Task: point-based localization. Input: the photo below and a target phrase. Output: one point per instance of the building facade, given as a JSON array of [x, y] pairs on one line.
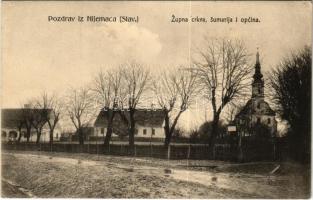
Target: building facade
[[13, 124], [149, 124]]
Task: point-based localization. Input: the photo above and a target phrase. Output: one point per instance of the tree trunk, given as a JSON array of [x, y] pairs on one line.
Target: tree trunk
[[167, 131], [28, 132], [168, 136], [214, 133], [51, 137], [38, 136], [132, 131], [20, 135], [108, 136], [109, 130], [81, 136]]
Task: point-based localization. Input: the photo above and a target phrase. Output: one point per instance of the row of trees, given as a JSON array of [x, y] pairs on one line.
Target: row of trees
[[219, 73], [290, 83]]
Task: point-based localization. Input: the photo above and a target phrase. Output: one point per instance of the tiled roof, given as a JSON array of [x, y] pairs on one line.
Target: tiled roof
[[12, 117], [143, 117]]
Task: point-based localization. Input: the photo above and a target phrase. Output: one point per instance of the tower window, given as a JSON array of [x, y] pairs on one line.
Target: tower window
[[258, 120], [269, 120], [259, 105], [153, 131], [145, 131], [259, 90]]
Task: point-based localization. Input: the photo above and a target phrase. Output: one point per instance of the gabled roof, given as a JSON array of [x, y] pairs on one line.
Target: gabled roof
[[250, 109], [10, 118], [13, 117], [143, 117]]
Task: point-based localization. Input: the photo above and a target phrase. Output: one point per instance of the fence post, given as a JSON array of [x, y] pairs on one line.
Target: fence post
[[121, 150], [188, 155]]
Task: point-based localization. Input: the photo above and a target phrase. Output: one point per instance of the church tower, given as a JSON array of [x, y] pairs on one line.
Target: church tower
[[256, 111], [258, 82]]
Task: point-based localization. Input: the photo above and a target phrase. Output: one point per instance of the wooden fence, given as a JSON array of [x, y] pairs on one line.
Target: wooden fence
[[184, 151]]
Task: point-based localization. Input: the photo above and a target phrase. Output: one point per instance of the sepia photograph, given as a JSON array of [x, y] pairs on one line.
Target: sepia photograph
[[156, 99]]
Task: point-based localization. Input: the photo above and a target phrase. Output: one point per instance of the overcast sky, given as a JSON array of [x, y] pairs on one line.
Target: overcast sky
[[39, 55]]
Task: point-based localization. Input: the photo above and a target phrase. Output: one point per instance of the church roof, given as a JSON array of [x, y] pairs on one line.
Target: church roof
[[250, 109]]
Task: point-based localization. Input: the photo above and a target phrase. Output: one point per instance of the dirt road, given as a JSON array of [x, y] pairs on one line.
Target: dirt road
[[63, 175]]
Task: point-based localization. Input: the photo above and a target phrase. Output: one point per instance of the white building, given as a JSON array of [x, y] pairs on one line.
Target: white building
[[149, 124], [13, 124]]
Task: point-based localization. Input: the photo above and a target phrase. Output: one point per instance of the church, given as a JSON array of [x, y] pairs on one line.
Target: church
[[256, 115]]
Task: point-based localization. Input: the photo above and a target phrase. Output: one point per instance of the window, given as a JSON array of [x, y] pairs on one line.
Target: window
[[136, 131], [259, 105], [144, 131], [269, 120], [102, 130], [57, 136], [258, 120], [153, 131]]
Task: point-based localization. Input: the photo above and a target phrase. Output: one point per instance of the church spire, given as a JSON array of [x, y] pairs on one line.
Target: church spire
[[258, 83], [257, 56], [257, 75]]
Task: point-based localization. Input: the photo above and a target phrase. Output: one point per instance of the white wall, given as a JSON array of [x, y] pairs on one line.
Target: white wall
[[33, 137], [159, 132]]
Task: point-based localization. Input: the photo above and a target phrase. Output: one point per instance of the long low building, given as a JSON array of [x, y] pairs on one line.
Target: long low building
[[149, 123], [13, 123]]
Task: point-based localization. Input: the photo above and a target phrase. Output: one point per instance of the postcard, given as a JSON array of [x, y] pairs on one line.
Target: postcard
[[156, 99]]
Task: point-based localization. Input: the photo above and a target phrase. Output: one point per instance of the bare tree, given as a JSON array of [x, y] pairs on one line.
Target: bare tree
[[135, 79], [174, 91], [20, 125], [39, 120], [27, 118], [79, 108], [223, 71], [51, 108], [107, 87]]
